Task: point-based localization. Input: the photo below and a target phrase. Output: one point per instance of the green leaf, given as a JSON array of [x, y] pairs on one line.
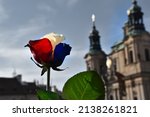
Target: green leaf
[[84, 86], [47, 95]]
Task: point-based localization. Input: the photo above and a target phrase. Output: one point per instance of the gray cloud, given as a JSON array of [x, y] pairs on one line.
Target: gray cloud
[[68, 3], [3, 12], [47, 8]]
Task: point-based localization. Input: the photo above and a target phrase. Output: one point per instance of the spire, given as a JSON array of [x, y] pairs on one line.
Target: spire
[[93, 20], [94, 37], [135, 23]]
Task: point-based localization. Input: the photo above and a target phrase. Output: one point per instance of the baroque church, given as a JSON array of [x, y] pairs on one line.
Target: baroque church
[[128, 77]]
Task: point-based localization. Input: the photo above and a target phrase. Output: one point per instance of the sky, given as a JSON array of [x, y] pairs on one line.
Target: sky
[[24, 20]]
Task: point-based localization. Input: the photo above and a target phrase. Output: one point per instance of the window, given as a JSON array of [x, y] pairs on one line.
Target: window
[[115, 64], [130, 56], [111, 97], [88, 66], [116, 94], [147, 55], [101, 68]]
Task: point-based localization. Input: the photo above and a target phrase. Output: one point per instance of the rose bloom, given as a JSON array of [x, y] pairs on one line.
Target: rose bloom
[[49, 51]]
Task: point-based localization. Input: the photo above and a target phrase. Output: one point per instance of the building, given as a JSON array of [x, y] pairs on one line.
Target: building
[[96, 58], [14, 89], [129, 75], [131, 59]]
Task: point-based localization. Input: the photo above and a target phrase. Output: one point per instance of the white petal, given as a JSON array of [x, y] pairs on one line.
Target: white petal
[[54, 38]]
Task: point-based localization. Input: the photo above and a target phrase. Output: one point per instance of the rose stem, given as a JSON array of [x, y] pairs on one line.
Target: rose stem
[[48, 80]]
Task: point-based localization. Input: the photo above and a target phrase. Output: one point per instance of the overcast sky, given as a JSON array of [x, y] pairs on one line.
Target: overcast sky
[[23, 20]]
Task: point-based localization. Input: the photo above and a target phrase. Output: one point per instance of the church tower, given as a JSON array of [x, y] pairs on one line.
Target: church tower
[[96, 58], [135, 23], [131, 58]]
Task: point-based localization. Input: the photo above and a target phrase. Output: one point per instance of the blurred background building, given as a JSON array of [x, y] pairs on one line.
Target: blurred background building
[[128, 74], [13, 88]]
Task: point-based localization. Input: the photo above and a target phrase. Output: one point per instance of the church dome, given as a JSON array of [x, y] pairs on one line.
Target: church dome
[[134, 8]]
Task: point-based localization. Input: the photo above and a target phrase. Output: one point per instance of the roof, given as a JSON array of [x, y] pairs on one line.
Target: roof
[[95, 52], [118, 46]]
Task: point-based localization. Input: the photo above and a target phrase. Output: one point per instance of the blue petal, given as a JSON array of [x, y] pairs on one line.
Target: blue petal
[[60, 52]]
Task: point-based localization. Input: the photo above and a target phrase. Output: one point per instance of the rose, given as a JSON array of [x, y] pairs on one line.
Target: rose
[[49, 51]]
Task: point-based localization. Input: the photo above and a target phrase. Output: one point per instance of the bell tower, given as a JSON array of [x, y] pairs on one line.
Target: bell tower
[[94, 37], [135, 24], [96, 58]]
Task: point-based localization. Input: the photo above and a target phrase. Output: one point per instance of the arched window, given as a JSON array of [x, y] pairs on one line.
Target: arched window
[[130, 56], [147, 55]]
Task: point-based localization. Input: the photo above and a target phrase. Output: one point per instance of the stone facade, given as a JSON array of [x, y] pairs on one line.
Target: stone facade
[[129, 75], [131, 58]]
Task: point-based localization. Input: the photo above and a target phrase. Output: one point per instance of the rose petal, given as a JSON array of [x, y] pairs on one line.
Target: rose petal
[[54, 38], [49, 51], [60, 52], [41, 50]]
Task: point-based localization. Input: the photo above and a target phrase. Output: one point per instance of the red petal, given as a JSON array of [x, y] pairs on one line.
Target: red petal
[[41, 50]]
